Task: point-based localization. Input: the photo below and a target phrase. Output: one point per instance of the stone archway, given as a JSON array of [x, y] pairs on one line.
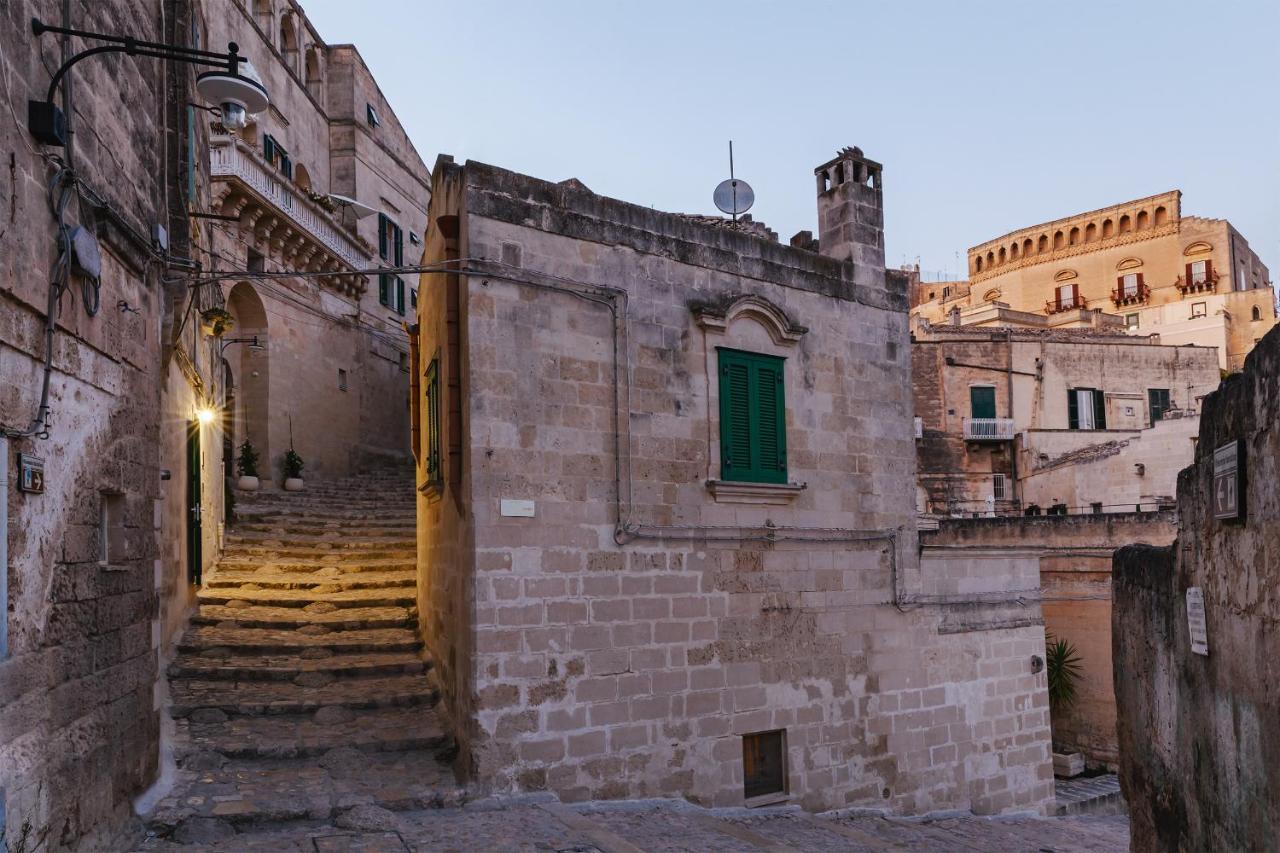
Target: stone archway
[[251, 372]]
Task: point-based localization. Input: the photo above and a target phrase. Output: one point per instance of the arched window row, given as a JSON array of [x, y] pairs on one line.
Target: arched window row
[[1092, 232], [285, 31]]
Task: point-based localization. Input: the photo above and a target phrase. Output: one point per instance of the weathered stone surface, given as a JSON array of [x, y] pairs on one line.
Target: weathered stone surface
[[203, 830], [208, 715], [369, 818], [1197, 733], [333, 714]]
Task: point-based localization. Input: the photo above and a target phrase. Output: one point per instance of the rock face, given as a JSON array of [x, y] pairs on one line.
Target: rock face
[[1198, 740], [320, 696]]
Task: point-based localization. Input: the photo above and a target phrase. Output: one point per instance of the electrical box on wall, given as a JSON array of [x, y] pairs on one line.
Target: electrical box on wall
[[30, 474]]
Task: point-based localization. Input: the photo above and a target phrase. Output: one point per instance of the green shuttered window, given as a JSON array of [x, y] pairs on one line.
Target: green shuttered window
[[431, 387], [753, 417]]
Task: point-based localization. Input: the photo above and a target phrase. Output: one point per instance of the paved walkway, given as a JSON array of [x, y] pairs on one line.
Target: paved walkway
[[665, 827]]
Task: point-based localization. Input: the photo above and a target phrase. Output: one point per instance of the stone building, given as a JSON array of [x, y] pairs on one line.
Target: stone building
[[99, 570], [1014, 420], [82, 574], [667, 529], [1142, 264], [1198, 739], [325, 183]]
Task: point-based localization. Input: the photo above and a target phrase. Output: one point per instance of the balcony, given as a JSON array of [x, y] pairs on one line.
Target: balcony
[[1130, 295], [1206, 283], [1058, 305], [988, 429], [299, 232]]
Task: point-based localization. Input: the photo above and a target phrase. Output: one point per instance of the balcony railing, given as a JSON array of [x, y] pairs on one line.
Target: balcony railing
[[229, 158], [1058, 304], [1198, 284], [988, 429], [1130, 295]]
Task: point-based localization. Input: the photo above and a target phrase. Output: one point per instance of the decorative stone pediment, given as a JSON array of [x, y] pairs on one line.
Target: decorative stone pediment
[[1064, 275], [781, 328], [1198, 248], [1129, 264], [991, 295]]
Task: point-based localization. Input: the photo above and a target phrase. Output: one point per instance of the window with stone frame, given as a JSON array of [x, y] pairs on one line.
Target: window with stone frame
[[753, 417], [1086, 409], [1199, 309], [1131, 321]]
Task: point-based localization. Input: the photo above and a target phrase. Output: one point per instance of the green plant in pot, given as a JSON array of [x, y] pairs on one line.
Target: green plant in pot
[[247, 467], [216, 321], [292, 471], [1064, 671]]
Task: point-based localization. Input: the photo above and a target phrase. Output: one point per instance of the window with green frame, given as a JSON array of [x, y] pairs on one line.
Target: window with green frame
[[753, 417], [433, 408]]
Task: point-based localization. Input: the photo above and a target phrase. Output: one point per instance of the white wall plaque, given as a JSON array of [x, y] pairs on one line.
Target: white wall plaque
[[517, 509], [1196, 622]]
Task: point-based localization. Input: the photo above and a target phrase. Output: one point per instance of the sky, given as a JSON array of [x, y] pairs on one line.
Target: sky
[[987, 115]]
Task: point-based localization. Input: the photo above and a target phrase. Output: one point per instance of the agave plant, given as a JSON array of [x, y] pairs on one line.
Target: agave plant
[[1064, 670]]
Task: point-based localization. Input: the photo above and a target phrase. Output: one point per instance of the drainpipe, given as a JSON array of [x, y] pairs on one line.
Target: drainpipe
[[1013, 452], [4, 547]]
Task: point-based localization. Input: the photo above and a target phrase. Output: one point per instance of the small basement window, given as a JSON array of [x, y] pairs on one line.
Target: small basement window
[[764, 764]]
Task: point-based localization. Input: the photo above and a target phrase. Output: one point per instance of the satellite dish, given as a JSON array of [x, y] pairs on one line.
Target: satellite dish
[[360, 210], [734, 196]]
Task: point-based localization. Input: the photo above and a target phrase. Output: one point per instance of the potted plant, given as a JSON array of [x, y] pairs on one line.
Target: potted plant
[[247, 467], [216, 322], [292, 471], [1062, 665]]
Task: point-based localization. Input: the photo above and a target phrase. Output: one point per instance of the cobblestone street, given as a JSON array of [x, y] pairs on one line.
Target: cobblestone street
[[666, 827]]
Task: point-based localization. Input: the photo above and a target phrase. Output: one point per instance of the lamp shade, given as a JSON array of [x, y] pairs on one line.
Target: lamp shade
[[243, 89]]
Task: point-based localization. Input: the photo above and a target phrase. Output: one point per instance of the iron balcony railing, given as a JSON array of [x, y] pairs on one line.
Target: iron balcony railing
[[1065, 303], [988, 429], [1130, 295]]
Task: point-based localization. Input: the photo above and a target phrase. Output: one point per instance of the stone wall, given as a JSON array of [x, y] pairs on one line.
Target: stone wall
[[650, 613], [1197, 736], [1073, 558], [78, 721]]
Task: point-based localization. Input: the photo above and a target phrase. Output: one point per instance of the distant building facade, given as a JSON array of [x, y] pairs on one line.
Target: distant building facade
[[1018, 420], [1188, 279], [325, 183], [667, 527]]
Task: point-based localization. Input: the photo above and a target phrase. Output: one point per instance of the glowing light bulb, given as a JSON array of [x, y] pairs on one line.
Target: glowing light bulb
[[206, 415]]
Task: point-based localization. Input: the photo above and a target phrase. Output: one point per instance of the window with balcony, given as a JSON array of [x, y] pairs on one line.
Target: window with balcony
[[982, 401], [273, 152], [1198, 271], [753, 417], [1065, 297], [1086, 409], [1158, 403]]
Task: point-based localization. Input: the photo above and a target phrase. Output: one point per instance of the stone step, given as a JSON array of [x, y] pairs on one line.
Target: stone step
[[320, 581], [331, 539], [276, 522], [306, 552], [249, 793], [212, 641], [346, 618], [339, 517], [294, 736], [318, 602], [286, 667], [373, 564], [235, 698]]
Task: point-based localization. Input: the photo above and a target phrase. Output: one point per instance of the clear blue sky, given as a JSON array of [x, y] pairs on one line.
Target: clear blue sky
[[988, 116]]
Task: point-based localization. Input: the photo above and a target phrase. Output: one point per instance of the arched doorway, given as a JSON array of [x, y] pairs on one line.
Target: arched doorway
[[249, 373]]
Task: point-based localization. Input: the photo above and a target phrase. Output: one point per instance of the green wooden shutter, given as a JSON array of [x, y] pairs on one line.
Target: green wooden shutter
[[399, 245], [399, 295], [382, 236], [982, 401], [269, 148], [1099, 410], [753, 435], [1073, 410]]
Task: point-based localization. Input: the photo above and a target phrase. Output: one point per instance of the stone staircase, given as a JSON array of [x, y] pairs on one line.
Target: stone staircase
[[301, 691]]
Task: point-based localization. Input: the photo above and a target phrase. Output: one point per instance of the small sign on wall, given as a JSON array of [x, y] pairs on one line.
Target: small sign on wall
[[30, 474], [1228, 482], [516, 508], [1196, 624]]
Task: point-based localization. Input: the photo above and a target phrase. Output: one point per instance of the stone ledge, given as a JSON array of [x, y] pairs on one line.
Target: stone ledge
[[754, 493]]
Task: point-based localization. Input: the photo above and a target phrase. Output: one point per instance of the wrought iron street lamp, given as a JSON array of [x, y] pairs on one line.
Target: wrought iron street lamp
[[234, 85]]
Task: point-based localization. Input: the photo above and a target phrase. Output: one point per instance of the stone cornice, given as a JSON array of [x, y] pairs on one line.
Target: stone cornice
[[1059, 255]]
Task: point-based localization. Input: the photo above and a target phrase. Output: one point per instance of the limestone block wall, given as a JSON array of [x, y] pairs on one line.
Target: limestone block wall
[[1197, 744], [1072, 555], [644, 618]]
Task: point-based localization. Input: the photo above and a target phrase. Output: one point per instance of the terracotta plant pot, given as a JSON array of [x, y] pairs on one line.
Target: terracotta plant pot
[[293, 484], [247, 483]]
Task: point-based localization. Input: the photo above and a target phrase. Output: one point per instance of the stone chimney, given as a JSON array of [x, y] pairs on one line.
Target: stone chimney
[[851, 214]]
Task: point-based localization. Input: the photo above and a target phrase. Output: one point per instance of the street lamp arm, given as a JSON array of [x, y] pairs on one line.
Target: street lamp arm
[[134, 47]]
